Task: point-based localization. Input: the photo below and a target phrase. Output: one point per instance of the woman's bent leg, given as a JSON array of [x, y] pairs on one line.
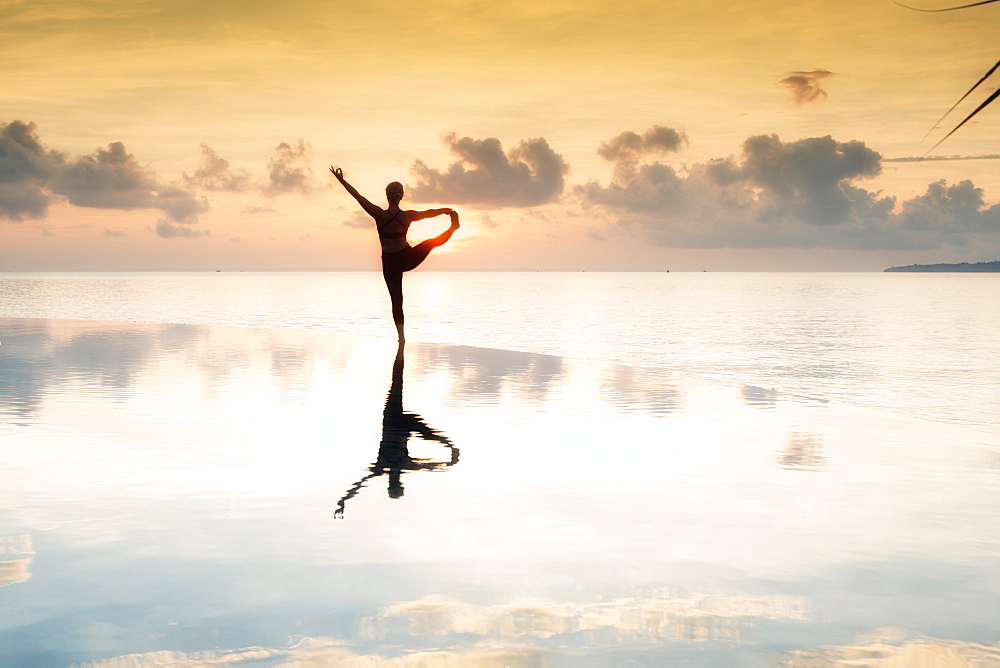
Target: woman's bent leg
[[443, 238], [416, 255], [419, 253]]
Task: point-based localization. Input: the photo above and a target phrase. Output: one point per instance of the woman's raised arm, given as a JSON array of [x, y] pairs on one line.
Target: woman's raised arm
[[369, 208]]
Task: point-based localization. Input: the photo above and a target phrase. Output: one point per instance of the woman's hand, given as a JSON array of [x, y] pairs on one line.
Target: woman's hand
[[338, 172]]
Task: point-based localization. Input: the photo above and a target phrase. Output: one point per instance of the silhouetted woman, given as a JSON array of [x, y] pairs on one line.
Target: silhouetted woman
[[392, 224]]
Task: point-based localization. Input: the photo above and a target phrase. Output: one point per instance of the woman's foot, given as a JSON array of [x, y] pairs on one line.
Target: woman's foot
[[443, 238]]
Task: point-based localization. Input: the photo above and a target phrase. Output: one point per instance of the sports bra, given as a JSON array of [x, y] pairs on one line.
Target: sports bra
[[392, 241]]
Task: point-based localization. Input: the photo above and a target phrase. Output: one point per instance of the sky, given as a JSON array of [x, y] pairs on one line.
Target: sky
[[768, 135]]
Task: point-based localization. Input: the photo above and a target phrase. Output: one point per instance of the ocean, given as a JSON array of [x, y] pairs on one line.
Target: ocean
[[676, 469], [924, 345]]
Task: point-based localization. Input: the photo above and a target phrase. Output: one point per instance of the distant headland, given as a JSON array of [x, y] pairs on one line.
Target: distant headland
[[962, 266]]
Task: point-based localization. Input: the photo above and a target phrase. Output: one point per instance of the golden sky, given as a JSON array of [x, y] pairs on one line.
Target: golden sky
[[195, 134]]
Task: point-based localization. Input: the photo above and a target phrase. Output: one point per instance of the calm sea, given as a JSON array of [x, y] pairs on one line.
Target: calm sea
[[925, 345]]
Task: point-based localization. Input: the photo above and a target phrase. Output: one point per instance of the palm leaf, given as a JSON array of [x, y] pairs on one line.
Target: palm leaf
[[945, 114], [947, 9], [992, 97], [985, 103]]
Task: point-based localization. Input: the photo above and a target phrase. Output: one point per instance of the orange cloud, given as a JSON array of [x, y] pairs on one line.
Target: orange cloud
[[804, 86]]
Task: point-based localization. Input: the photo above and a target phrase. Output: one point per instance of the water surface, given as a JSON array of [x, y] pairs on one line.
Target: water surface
[[920, 344], [193, 494]]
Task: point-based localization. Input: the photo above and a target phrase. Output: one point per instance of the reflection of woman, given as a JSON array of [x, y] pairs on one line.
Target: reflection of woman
[[392, 224], [393, 454]]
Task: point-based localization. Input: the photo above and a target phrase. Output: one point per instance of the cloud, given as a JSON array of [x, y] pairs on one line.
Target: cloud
[[804, 86], [960, 208], [216, 174], [487, 220], [26, 168], [529, 174], [114, 179], [168, 230], [257, 208], [359, 220], [288, 171], [114, 234], [804, 179], [629, 147], [33, 178], [942, 158], [777, 194]]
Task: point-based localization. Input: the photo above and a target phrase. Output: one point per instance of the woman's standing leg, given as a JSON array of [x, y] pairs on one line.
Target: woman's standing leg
[[394, 283]]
